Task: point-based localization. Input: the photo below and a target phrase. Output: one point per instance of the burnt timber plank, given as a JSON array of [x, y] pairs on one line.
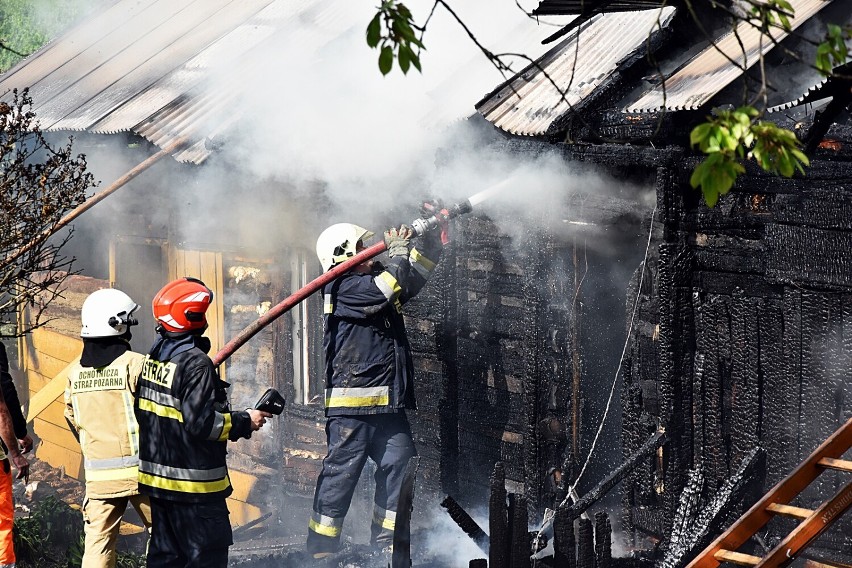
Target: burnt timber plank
[[778, 436], [745, 379]]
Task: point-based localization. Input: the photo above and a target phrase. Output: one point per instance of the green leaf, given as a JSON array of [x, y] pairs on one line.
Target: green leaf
[[386, 60], [415, 60], [404, 58], [374, 30], [403, 11], [711, 196], [799, 155], [699, 133]]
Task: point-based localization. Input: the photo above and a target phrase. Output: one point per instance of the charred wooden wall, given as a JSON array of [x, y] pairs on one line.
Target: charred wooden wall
[[743, 338]]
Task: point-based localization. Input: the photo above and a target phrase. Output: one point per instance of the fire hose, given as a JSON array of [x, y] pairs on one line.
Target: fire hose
[[420, 226]]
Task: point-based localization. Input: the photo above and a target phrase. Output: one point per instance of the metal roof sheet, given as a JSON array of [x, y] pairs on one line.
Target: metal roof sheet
[[138, 57], [571, 7], [562, 78], [711, 70], [176, 69]]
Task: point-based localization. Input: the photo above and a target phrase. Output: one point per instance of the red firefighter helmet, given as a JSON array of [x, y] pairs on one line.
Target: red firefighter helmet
[[181, 305]]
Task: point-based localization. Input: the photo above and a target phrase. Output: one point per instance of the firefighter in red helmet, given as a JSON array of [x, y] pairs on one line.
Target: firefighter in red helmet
[[184, 425]]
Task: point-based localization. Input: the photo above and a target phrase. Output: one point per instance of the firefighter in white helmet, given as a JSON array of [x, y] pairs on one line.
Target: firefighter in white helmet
[[369, 378], [99, 408]]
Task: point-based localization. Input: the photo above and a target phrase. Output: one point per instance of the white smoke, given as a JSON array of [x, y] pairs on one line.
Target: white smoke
[[445, 544]]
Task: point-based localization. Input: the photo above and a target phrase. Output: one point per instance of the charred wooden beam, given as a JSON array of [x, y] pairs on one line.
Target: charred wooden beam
[[498, 520], [466, 523], [585, 544], [564, 543], [520, 539], [603, 540], [602, 488]]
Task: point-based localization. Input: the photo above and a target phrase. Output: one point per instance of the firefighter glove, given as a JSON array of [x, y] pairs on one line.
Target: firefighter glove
[[398, 240]]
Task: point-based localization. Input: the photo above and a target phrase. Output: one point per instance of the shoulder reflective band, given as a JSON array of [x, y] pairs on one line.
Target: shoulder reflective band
[[354, 397], [326, 526], [421, 264]]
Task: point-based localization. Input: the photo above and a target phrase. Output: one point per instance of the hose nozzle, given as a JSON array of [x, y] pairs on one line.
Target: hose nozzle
[[423, 226]]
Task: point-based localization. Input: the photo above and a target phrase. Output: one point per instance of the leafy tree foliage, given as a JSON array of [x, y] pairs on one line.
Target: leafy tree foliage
[[26, 25], [39, 183], [391, 31]]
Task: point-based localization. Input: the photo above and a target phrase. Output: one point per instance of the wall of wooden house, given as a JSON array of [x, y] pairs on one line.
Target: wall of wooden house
[[743, 338]]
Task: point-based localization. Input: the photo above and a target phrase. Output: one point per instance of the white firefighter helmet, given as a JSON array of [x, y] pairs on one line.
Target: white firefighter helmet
[[337, 243], [107, 313]]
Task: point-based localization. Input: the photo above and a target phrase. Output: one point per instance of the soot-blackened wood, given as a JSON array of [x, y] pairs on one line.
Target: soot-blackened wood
[[498, 520], [817, 256], [836, 362], [533, 347], [745, 379], [629, 437], [519, 553], [448, 408], [789, 459], [778, 436], [466, 523], [585, 544], [698, 524], [669, 328], [603, 540], [676, 337], [846, 393], [564, 543], [814, 322], [714, 317], [478, 563], [698, 400], [818, 415]]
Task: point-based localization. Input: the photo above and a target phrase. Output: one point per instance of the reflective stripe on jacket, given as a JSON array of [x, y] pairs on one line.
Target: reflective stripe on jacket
[[368, 364], [99, 406], [185, 423]]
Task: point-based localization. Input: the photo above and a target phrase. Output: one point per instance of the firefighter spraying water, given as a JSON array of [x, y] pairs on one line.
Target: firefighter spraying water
[[419, 226]]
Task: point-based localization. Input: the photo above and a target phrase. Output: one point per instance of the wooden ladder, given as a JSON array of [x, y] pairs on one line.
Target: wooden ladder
[[776, 502]]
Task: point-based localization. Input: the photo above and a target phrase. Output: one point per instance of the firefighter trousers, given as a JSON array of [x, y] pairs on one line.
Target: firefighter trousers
[[7, 516], [189, 535], [102, 518], [384, 438]]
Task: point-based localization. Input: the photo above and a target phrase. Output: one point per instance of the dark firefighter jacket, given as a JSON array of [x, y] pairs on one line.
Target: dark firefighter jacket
[[10, 395], [184, 423], [368, 365]]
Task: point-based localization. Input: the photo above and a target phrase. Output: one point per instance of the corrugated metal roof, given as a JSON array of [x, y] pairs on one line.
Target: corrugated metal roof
[[147, 66], [531, 101], [572, 7], [813, 94], [711, 70], [138, 57]]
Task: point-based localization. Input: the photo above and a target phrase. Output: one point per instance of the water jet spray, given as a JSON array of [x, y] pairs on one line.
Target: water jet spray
[[420, 226]]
